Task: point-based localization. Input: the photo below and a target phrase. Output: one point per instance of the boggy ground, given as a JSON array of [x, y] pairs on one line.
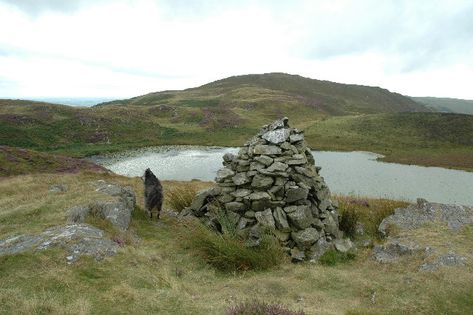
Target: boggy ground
[[154, 273]]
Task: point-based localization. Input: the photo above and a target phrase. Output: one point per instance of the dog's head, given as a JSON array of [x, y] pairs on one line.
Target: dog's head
[[146, 174], [149, 177]]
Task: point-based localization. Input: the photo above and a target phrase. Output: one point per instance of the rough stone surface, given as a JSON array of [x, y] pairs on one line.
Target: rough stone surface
[[447, 260], [267, 149], [276, 136], [265, 218], [58, 188], [424, 215], [117, 210], [76, 239], [394, 249], [273, 182], [415, 216]]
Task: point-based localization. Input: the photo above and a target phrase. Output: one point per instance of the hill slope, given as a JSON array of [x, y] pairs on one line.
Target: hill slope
[[449, 105], [437, 139], [260, 91]]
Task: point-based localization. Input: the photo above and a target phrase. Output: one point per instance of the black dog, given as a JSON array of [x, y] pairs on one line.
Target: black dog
[[153, 193]]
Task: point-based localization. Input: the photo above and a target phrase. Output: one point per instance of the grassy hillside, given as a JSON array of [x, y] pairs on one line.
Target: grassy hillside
[[155, 274], [421, 138], [16, 161], [272, 90], [448, 105]]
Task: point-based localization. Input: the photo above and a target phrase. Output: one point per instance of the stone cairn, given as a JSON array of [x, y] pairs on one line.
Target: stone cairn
[[273, 183]]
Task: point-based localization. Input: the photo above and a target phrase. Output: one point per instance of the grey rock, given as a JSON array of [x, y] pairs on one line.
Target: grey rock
[[319, 248], [258, 195], [305, 238], [276, 136], [295, 193], [244, 222], [239, 193], [114, 211], [260, 205], [331, 226], [277, 124], [264, 159], [301, 218], [394, 249], [265, 218], [58, 188], [76, 239], [224, 198], [306, 171], [277, 167], [235, 206], [296, 137], [241, 179], [256, 166], [447, 260], [250, 214], [343, 245], [261, 149], [199, 199], [223, 174], [297, 255], [262, 182], [280, 219], [229, 157], [415, 216]]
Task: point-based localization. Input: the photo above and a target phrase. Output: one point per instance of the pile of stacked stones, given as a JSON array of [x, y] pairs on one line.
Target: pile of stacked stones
[[273, 183]]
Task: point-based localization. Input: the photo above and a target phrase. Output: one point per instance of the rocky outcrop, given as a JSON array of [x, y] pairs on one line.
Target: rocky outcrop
[[273, 183], [117, 209], [417, 216], [76, 239]]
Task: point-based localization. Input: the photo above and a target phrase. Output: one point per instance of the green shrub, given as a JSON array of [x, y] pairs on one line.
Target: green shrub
[[261, 308], [348, 221], [333, 257], [230, 254], [180, 197]]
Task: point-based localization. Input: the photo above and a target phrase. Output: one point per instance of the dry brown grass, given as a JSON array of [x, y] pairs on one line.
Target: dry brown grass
[[158, 276]]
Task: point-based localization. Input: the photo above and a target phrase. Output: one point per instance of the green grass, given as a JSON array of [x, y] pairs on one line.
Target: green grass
[[156, 274], [230, 111], [449, 105], [227, 253]]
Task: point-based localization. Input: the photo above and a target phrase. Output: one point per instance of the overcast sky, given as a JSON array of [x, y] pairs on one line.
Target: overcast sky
[[124, 48]]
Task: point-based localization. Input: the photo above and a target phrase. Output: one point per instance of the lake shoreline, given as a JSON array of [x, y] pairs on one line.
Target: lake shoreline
[[356, 173]]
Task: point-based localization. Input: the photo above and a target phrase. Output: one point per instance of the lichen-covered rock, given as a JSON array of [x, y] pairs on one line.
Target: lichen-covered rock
[[117, 209], [265, 218], [273, 183], [77, 239]]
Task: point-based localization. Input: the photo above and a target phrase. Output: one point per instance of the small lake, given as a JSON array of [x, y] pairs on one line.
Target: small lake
[[347, 173]]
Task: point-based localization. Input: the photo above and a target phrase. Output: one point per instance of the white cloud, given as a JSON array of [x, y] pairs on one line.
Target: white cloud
[[125, 48]]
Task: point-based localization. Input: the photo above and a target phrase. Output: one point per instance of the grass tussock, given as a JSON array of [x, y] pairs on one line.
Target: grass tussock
[[261, 308], [159, 275], [230, 254], [333, 258], [366, 213], [180, 196]]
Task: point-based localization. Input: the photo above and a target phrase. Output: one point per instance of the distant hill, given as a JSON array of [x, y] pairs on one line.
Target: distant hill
[[424, 138], [263, 92], [447, 105]]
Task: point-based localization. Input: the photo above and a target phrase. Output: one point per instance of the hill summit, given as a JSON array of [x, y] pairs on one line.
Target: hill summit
[[259, 91]]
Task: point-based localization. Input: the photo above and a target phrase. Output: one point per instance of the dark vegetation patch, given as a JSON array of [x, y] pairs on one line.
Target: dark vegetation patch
[[333, 257], [15, 161], [228, 253]]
